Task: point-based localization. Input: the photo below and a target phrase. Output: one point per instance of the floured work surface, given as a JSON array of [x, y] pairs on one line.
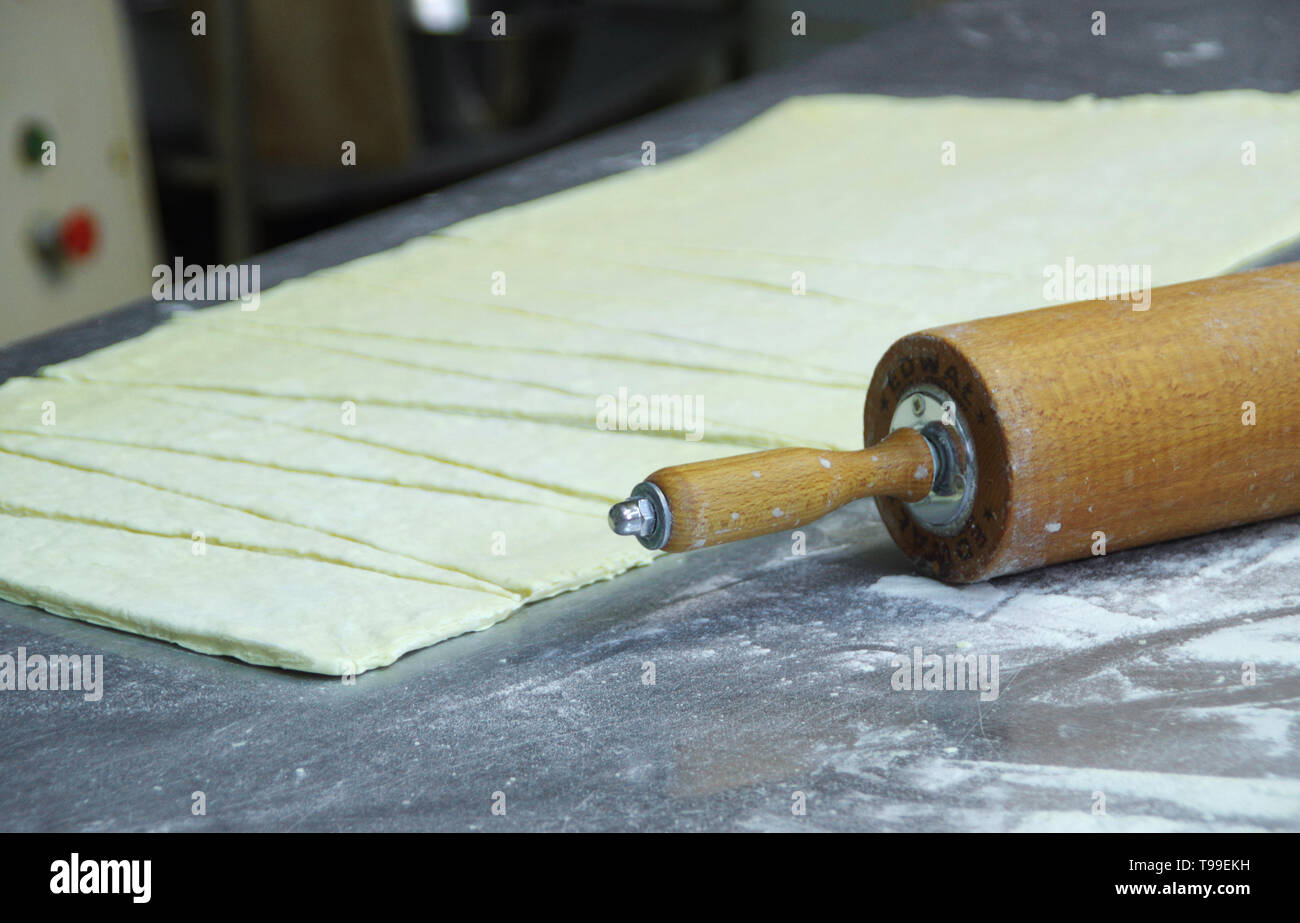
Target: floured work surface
[[408, 447]]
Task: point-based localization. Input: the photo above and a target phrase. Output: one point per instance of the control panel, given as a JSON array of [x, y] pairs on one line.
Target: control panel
[[77, 231]]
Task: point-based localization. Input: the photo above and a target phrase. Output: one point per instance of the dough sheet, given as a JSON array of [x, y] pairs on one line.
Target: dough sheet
[[398, 450]]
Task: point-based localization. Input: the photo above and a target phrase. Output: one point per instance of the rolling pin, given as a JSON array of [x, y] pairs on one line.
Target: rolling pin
[[1013, 442]]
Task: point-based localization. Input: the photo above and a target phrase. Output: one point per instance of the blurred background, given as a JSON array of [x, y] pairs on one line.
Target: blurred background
[[146, 130]]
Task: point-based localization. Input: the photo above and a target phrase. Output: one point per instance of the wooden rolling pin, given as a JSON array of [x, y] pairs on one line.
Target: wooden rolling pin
[[1009, 443]]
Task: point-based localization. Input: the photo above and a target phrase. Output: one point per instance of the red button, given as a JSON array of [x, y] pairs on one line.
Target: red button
[[78, 234]]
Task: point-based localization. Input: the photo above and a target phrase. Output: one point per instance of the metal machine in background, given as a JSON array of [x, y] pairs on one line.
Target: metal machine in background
[[77, 229], [246, 122], [223, 137]]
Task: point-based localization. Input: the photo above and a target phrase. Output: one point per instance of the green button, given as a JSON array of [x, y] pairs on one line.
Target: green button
[[34, 136]]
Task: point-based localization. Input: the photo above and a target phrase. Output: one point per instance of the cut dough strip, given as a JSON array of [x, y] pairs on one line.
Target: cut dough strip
[[34, 487], [489, 540], [284, 612], [162, 418]]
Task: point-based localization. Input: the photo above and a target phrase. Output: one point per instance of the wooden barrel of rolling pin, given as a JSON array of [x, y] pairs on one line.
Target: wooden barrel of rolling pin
[[1094, 422], [1044, 436]]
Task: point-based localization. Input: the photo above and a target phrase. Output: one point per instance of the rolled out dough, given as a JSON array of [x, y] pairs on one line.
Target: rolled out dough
[[404, 448]]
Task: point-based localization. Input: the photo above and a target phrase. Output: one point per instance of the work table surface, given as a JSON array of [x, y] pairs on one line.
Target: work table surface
[[1121, 705]]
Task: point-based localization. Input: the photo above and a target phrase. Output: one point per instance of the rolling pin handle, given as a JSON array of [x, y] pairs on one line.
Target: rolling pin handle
[[727, 499]]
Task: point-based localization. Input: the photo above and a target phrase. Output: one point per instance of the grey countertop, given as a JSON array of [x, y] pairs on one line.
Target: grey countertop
[[1121, 702]]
